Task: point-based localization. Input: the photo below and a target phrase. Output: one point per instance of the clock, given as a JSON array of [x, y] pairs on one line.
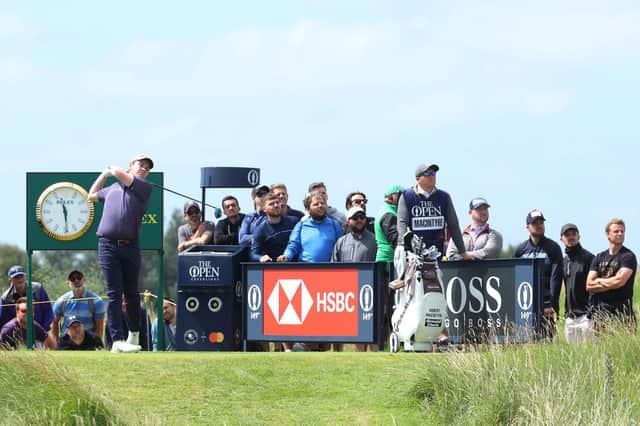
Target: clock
[[63, 211]]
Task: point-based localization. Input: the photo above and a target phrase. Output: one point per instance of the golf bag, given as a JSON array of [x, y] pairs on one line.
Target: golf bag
[[420, 309]]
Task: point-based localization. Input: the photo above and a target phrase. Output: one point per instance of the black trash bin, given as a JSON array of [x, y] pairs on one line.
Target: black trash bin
[[209, 298]]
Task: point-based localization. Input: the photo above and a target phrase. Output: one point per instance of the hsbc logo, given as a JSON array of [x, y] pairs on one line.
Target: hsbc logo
[[290, 302]]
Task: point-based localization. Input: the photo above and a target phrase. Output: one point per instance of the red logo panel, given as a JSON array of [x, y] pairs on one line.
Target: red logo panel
[[311, 302]]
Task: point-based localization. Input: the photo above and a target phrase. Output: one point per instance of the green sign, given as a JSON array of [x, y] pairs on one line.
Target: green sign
[[59, 218]]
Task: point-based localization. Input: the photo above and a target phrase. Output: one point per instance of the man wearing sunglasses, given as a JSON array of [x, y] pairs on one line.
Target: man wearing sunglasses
[[79, 303], [428, 211], [358, 199], [43, 314], [195, 232]]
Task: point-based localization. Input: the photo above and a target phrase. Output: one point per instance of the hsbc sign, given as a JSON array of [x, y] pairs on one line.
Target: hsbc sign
[[311, 302]]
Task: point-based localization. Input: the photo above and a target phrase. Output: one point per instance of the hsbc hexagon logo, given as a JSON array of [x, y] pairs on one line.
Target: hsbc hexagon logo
[[290, 302]]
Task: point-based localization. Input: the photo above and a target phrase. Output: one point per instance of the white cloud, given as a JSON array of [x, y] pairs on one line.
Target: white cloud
[[14, 69]]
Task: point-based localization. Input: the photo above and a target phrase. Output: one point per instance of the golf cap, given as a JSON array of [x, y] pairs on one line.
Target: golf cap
[[423, 168], [353, 210], [259, 191], [533, 215], [15, 271], [189, 204], [568, 227], [478, 202], [141, 157], [74, 273], [393, 190], [73, 319]]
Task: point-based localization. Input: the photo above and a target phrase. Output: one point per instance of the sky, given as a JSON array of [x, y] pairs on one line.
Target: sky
[[530, 104]]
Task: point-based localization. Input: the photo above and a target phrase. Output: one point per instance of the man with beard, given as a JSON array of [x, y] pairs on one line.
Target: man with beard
[[251, 221], [358, 199], [312, 240], [537, 246], [358, 245], [195, 232], [271, 236], [480, 240], [280, 189], [330, 211], [575, 268], [611, 278]]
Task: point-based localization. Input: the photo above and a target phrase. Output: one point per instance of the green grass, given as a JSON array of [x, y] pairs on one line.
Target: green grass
[[519, 384]]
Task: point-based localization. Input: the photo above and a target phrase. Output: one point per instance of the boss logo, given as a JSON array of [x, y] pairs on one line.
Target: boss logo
[[476, 295]]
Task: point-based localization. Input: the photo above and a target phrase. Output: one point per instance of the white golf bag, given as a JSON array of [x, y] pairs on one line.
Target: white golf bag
[[420, 309]]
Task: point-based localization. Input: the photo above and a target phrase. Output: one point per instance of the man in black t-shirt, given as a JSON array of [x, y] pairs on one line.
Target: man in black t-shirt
[[611, 278], [78, 339]]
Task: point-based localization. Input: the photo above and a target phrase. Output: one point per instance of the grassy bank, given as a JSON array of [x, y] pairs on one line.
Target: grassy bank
[[594, 383]]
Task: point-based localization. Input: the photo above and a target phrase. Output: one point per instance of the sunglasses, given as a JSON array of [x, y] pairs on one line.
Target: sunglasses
[[429, 173], [358, 217], [359, 201], [75, 278]]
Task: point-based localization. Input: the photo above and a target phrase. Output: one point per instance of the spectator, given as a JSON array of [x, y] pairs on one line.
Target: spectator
[[252, 221], [280, 189], [359, 245], [169, 326], [312, 240], [125, 203], [331, 211], [43, 313], [537, 246], [195, 232], [76, 338], [358, 199], [14, 332], [575, 268], [611, 277], [425, 210], [271, 236], [227, 229], [480, 241], [386, 225], [81, 304]]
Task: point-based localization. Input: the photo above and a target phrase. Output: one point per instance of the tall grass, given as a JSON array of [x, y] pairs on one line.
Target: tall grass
[[34, 390], [590, 383]]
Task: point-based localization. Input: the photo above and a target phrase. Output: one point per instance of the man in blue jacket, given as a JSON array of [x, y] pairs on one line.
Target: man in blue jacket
[[42, 313]]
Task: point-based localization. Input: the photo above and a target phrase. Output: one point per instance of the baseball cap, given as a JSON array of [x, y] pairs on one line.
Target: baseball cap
[[14, 271], [353, 210], [259, 191], [393, 190], [533, 215], [478, 202], [72, 319], [140, 157], [567, 227], [74, 273], [423, 168], [190, 204]]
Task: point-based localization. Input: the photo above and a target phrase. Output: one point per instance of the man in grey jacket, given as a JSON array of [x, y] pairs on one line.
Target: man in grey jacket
[[358, 245], [480, 241]]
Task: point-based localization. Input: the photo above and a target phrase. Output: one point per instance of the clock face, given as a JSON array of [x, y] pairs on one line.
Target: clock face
[[63, 211]]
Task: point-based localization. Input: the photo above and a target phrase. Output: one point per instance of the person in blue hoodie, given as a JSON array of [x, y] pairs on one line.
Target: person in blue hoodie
[[312, 239]]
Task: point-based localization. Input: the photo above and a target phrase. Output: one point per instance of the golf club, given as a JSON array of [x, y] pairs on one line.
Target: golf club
[[217, 212]]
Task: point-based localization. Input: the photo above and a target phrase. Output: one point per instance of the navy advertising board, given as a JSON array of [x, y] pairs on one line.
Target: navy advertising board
[[312, 302], [492, 301]]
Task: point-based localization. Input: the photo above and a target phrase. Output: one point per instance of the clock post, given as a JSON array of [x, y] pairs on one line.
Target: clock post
[[59, 217]]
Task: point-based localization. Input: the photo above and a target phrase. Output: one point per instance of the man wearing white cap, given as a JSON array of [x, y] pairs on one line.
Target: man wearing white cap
[[428, 211], [125, 202], [480, 241]]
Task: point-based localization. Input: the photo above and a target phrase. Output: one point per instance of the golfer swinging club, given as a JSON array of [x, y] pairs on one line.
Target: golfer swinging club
[[125, 202]]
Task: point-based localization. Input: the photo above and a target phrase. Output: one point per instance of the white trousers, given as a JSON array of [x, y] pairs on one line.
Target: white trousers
[[578, 329]]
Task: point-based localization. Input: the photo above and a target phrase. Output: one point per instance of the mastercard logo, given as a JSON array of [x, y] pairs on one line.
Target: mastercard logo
[[216, 337]]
